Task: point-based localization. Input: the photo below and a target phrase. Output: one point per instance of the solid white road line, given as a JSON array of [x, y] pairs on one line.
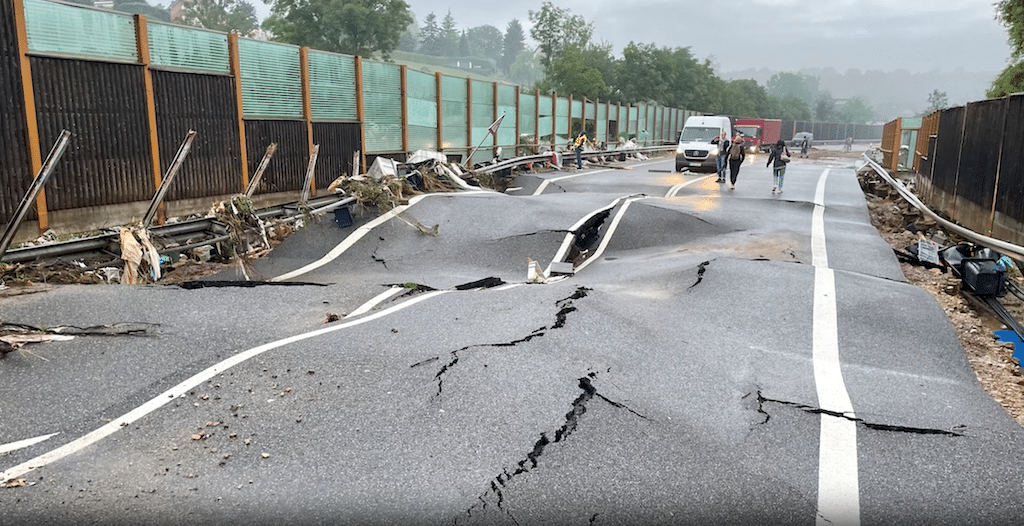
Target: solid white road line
[[544, 184], [376, 300], [563, 249], [362, 231], [674, 191], [838, 482], [184, 387], [607, 237], [14, 446]]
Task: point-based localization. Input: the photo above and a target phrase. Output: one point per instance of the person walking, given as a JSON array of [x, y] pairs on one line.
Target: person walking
[[737, 153], [804, 146], [721, 159], [778, 158], [578, 144]]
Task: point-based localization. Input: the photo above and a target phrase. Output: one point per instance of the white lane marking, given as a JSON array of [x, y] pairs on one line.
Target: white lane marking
[[184, 387], [376, 300], [20, 444], [838, 481], [674, 191], [362, 231], [571, 235], [544, 184], [607, 237]]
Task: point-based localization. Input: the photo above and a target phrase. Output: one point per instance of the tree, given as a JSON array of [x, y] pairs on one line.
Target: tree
[[449, 36], [354, 27], [464, 45], [745, 97], [797, 85], [221, 15], [825, 107], [430, 37], [410, 40], [937, 101], [579, 72], [789, 108], [857, 110], [484, 41], [1010, 14], [140, 7], [512, 45], [556, 29], [526, 70]]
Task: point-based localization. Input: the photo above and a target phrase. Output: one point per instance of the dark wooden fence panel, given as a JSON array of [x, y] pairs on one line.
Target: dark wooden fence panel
[[1010, 196], [979, 157], [287, 170], [103, 105], [205, 103], [947, 149], [338, 142], [15, 168]]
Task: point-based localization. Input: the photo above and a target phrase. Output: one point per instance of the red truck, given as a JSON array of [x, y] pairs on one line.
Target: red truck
[[760, 134]]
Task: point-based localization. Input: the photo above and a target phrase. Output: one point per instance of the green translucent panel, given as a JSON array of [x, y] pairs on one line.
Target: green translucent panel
[[382, 107], [64, 29], [545, 128], [422, 138], [588, 111], [332, 87], [483, 111], [507, 96], [561, 117], [421, 91], [601, 126], [188, 48], [527, 113], [641, 121], [453, 113], [271, 80], [634, 113], [453, 89], [577, 109]]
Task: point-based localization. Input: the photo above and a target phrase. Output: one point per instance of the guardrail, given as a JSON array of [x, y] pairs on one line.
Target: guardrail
[[545, 157]]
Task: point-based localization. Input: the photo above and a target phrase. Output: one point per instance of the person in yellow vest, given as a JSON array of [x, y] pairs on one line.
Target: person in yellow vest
[[578, 145]]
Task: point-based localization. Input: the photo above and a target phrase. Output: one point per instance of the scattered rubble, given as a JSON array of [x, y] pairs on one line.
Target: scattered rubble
[[992, 360]]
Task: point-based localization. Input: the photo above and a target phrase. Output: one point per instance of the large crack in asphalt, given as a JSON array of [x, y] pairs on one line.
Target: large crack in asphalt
[[566, 307], [761, 401], [701, 269], [531, 462]]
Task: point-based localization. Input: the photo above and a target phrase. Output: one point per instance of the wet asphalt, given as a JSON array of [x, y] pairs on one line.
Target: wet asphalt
[[669, 381]]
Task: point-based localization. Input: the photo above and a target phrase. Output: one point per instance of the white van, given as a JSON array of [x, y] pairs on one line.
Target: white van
[[695, 150]]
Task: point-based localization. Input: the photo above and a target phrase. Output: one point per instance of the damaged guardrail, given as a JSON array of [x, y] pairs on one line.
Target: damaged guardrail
[[546, 157], [1014, 251]]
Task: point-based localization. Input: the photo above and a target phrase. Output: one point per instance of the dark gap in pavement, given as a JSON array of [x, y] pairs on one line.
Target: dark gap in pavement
[[193, 285], [701, 269], [876, 427]]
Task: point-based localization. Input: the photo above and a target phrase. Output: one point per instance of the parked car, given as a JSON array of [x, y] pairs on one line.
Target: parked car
[[799, 138]]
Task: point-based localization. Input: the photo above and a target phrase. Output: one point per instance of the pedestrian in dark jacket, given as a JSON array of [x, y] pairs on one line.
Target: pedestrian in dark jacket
[[777, 159], [721, 160], [737, 152]]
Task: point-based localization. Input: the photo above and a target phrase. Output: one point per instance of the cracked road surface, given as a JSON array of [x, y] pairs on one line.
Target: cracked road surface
[[720, 357]]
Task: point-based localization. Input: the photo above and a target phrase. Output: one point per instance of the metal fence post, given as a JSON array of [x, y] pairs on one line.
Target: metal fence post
[[31, 124]]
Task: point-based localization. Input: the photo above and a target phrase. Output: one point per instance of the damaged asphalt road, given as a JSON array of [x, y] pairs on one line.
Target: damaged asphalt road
[[672, 380]]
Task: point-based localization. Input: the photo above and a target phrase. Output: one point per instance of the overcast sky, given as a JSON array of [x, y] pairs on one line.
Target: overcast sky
[[918, 35]]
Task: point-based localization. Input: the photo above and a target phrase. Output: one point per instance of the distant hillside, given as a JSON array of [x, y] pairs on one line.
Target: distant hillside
[[893, 94]]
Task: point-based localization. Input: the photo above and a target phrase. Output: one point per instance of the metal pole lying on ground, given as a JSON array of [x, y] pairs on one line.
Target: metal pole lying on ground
[[37, 186], [309, 175], [165, 183], [260, 169]]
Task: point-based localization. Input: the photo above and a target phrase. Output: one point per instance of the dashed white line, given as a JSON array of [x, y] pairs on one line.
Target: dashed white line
[[838, 481], [674, 191], [607, 237], [544, 184]]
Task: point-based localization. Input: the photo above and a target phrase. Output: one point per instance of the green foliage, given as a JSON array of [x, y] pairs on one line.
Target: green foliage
[[937, 101], [825, 107], [431, 42], [449, 36], [1010, 13], [221, 15], [578, 72], [796, 85], [857, 110], [526, 70], [484, 41], [142, 8], [513, 44], [354, 27], [556, 29], [1011, 80], [747, 98], [789, 108]]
